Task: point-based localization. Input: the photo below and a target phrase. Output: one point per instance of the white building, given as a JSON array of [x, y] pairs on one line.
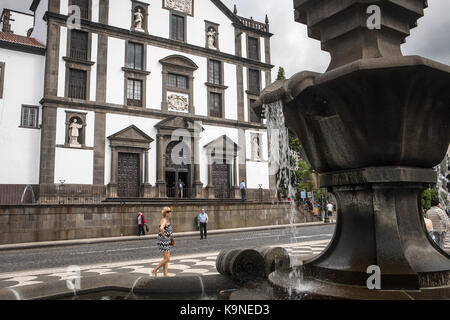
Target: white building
[[105, 102]]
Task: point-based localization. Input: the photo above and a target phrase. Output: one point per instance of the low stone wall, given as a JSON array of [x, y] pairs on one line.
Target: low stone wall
[[32, 223]]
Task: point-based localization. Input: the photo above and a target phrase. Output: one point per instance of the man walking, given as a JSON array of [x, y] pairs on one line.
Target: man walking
[[141, 223], [243, 193], [441, 223], [330, 211], [203, 219]]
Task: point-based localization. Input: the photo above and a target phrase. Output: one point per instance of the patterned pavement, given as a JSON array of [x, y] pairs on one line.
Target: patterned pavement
[[199, 264]]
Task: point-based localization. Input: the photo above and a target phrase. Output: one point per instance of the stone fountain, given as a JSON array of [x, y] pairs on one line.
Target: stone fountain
[[373, 125]]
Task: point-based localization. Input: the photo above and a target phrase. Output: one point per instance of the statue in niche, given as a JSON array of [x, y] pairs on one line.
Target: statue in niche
[[74, 133], [212, 38], [256, 148], [138, 20]]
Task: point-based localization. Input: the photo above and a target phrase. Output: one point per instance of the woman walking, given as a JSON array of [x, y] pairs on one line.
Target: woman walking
[[165, 241]]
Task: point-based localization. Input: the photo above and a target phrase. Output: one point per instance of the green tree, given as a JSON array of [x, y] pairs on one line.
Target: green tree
[[427, 196], [281, 74]]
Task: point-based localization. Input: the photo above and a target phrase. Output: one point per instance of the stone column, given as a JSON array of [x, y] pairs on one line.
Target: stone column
[[112, 186], [198, 185], [236, 189], [161, 183], [147, 185], [210, 187]]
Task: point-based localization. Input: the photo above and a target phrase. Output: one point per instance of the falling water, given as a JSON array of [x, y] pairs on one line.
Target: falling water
[[280, 155], [442, 172]]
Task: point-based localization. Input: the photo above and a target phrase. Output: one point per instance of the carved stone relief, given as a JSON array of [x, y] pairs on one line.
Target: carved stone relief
[[177, 102], [179, 5]]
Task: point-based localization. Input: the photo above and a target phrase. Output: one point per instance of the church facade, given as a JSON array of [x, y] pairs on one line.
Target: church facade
[[134, 99]]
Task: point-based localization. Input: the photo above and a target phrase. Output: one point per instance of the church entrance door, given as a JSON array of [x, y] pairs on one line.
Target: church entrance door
[[128, 175]]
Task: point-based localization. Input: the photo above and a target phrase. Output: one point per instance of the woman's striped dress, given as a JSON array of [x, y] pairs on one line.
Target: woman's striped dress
[[163, 244]]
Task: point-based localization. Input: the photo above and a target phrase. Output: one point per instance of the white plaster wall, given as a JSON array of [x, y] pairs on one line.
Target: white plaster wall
[[257, 173], [230, 80], [211, 133], [64, 7], [74, 166], [158, 20], [115, 79], [116, 123], [245, 94], [95, 10], [262, 47], [40, 27], [120, 13], [94, 46], [62, 63], [21, 23], [20, 147]]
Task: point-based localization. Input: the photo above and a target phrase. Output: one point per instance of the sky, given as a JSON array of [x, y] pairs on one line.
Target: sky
[[292, 49]]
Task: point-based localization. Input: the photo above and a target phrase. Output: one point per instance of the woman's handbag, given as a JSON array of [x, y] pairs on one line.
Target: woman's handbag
[[147, 228], [172, 242]]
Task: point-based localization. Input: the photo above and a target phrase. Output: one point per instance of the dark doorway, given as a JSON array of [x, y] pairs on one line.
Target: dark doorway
[[221, 180], [128, 175], [178, 170]]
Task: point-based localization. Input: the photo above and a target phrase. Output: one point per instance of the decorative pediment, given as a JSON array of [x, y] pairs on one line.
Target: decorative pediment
[[222, 146], [132, 137], [170, 124], [179, 62]]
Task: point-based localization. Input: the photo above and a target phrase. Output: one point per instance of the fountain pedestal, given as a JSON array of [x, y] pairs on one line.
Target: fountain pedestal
[[374, 125]]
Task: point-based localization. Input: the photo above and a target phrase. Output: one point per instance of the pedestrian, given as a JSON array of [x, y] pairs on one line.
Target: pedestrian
[[440, 222], [242, 187], [141, 223], [428, 224], [203, 219], [180, 188], [330, 211], [165, 241]]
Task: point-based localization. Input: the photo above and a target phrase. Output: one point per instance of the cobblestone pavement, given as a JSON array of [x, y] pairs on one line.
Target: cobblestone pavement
[[197, 264]]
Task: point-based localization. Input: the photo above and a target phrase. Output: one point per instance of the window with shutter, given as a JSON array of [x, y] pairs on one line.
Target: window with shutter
[[253, 48], [77, 84], [134, 92], [215, 105], [135, 55], [29, 117], [177, 27], [215, 72], [254, 83], [79, 44]]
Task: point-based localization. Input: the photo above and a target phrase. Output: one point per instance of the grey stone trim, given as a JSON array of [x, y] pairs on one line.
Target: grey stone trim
[[238, 43], [54, 6], [268, 75], [241, 27], [2, 78], [69, 43], [102, 67], [99, 148], [104, 12], [268, 58], [52, 68], [48, 142], [79, 66], [162, 42], [138, 4], [58, 102], [254, 95], [251, 97], [209, 24]]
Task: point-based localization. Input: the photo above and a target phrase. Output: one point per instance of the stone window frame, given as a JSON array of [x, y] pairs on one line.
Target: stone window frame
[[184, 16], [2, 78], [69, 116], [216, 88], [89, 9], [176, 11], [250, 98], [168, 67], [82, 67], [134, 5], [36, 125], [257, 37], [69, 44], [209, 24], [249, 92], [136, 74]]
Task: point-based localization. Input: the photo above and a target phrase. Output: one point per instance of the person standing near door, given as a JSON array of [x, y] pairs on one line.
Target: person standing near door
[[180, 188], [203, 219]]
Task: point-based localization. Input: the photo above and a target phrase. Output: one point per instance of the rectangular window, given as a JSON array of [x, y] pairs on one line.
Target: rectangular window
[[79, 45], [215, 76], [215, 105], [134, 93], [177, 81], [135, 54], [177, 27], [2, 78], [253, 48], [253, 116], [77, 84], [29, 117], [254, 83], [84, 7]]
